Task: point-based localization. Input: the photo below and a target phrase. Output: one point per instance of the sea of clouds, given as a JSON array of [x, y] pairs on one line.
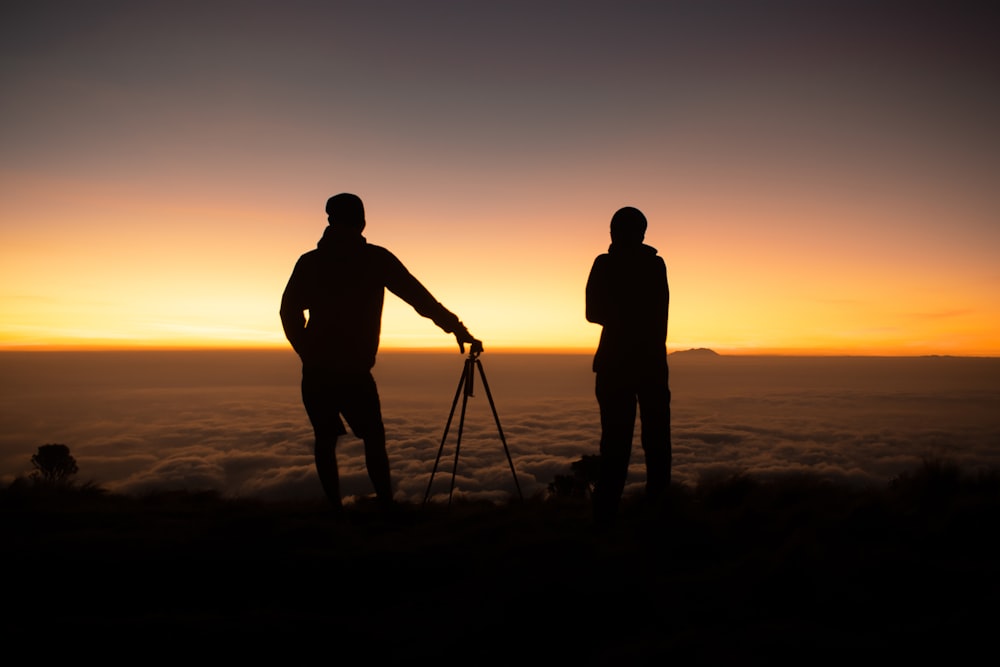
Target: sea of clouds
[[233, 421]]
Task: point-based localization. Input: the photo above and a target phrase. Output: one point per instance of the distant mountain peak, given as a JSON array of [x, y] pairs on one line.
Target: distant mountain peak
[[696, 352]]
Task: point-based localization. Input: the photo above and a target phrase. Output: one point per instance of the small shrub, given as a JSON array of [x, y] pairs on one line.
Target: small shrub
[[54, 465]]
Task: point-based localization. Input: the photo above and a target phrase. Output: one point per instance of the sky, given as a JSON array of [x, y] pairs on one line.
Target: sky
[[232, 421], [820, 178]]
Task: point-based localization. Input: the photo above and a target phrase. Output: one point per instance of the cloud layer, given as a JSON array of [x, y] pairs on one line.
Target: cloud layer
[[233, 422]]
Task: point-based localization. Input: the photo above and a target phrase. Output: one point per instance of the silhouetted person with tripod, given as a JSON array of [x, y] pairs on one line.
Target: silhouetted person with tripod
[[341, 284], [628, 295]]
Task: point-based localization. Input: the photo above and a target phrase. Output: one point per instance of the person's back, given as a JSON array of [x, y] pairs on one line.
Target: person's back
[[628, 295], [339, 284]]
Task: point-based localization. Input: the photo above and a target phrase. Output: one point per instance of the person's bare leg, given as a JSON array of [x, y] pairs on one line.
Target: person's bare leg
[[377, 462], [325, 455]]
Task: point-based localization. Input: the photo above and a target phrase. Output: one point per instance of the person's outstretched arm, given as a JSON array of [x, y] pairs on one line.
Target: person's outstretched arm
[[403, 284]]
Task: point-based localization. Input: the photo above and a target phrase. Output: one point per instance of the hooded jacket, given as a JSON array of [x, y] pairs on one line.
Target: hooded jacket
[[628, 295], [342, 285]]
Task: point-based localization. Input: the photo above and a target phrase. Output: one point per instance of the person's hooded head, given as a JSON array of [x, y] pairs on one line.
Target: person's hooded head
[[346, 211], [628, 226]]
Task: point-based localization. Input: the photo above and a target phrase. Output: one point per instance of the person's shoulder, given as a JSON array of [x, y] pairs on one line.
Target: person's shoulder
[[600, 263], [374, 247], [309, 256], [653, 255], [380, 253]]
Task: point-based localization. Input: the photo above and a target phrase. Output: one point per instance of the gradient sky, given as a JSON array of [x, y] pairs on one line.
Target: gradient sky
[[820, 177]]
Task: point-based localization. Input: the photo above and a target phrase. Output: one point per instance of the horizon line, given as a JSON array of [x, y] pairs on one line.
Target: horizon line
[[702, 351]]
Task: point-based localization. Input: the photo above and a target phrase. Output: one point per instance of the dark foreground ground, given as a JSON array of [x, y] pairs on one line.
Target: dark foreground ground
[[737, 572]]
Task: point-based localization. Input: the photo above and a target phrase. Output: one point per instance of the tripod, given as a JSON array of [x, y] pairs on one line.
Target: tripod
[[472, 362]]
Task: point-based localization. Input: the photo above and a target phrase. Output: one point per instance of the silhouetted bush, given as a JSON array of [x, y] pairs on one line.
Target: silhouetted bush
[[54, 464]]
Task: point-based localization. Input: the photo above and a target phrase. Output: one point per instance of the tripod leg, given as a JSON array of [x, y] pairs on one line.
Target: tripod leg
[[447, 426], [496, 417], [458, 441]]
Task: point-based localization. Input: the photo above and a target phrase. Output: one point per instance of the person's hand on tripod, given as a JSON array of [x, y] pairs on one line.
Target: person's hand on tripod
[[463, 336]]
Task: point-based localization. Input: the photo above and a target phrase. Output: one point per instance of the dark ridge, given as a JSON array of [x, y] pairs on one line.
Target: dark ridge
[[728, 572]]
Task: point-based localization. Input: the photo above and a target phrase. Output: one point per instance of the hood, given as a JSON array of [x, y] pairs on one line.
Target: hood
[[631, 249], [339, 240]]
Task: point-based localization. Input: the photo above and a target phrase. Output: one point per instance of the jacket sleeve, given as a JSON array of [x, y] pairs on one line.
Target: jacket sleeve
[[664, 292], [294, 303], [403, 284], [597, 293]]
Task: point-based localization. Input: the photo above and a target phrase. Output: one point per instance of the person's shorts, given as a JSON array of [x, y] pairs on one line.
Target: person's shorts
[[328, 395]]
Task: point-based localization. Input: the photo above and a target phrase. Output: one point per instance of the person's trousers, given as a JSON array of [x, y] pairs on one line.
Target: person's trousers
[[618, 396]]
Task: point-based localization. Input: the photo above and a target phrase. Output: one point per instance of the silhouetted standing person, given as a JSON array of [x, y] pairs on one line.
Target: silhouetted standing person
[[628, 295], [341, 285]]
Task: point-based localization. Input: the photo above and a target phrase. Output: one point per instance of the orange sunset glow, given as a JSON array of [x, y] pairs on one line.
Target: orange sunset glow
[[816, 183]]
